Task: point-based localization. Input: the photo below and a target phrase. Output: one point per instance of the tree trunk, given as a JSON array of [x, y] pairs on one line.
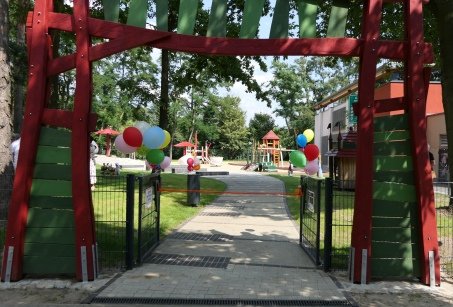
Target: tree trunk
[[5, 110], [164, 98], [443, 12]]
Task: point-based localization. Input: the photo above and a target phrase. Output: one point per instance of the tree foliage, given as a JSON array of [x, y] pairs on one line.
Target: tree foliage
[[261, 124]]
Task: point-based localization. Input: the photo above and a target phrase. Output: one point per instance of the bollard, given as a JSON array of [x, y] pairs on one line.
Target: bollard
[[193, 183]]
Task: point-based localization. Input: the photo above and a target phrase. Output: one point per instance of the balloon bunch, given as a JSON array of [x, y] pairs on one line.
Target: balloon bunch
[[307, 155], [147, 140], [193, 164]]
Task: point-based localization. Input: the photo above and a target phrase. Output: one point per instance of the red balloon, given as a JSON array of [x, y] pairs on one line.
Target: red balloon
[[190, 161], [132, 137], [190, 168], [311, 152]]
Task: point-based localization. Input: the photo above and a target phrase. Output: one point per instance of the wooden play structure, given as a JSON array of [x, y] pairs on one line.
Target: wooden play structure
[[51, 221], [270, 145]]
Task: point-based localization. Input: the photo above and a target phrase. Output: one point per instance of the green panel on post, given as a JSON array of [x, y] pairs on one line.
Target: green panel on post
[[391, 123], [187, 15], [53, 171], [405, 267], [49, 250], [307, 17], [402, 163], [48, 154], [396, 176], [162, 15], [392, 250], [393, 208], [394, 191], [280, 21], [393, 148], [38, 217], [250, 21], [399, 135], [111, 10], [384, 221], [50, 235], [393, 234], [45, 187], [49, 265], [217, 19], [50, 202], [338, 18], [55, 137], [138, 12]]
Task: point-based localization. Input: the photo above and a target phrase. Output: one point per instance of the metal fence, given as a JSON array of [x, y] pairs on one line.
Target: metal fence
[[327, 210], [444, 217], [126, 210]]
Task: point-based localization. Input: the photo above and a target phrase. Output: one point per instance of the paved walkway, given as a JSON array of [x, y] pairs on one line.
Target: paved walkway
[[240, 250]]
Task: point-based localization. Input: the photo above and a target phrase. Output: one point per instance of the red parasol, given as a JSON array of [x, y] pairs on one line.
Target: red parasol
[[184, 144], [108, 140]]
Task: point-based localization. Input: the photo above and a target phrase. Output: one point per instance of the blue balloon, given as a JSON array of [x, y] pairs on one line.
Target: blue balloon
[[301, 140], [153, 137]]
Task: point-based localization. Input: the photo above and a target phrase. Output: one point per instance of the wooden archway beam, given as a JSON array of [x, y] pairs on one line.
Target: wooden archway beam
[[123, 37]]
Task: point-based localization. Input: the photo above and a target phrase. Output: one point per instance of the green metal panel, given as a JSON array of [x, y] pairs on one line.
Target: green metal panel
[[46, 187], [111, 10], [393, 234], [280, 21], [393, 148], [406, 177], [383, 163], [406, 267], [49, 250], [138, 12], [55, 137], [49, 265], [217, 19], [47, 154], [392, 250], [250, 21], [187, 14], [393, 208], [38, 217], [37, 201], [394, 191], [391, 123], [50, 235], [307, 17], [391, 136], [338, 18], [384, 221], [52, 171], [162, 15]]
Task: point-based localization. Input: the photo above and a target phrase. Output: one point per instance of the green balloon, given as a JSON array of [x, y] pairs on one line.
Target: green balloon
[[155, 156], [298, 158]]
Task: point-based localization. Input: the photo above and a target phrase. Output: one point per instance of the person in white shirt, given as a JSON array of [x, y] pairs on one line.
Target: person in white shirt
[[94, 149], [15, 146]]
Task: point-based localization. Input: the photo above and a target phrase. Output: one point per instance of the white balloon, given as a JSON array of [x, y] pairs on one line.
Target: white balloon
[[142, 126]]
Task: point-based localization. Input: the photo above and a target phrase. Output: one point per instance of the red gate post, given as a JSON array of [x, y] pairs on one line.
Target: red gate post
[[36, 98], [416, 93], [361, 229]]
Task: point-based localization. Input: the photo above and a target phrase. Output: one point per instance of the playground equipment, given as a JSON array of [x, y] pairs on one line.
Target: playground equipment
[[51, 222], [270, 147]]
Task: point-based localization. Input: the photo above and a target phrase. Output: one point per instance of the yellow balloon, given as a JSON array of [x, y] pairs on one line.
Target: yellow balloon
[[309, 134], [166, 140]]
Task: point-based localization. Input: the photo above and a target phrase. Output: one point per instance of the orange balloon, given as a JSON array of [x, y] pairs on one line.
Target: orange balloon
[[196, 167]]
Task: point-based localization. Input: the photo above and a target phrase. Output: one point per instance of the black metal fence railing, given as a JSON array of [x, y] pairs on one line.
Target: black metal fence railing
[[126, 213], [311, 214], [326, 216], [148, 215]]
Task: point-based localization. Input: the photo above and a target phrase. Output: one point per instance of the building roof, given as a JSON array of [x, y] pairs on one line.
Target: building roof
[[271, 136], [381, 73]]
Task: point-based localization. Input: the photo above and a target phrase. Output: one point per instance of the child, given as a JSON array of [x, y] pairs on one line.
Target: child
[[290, 169]]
